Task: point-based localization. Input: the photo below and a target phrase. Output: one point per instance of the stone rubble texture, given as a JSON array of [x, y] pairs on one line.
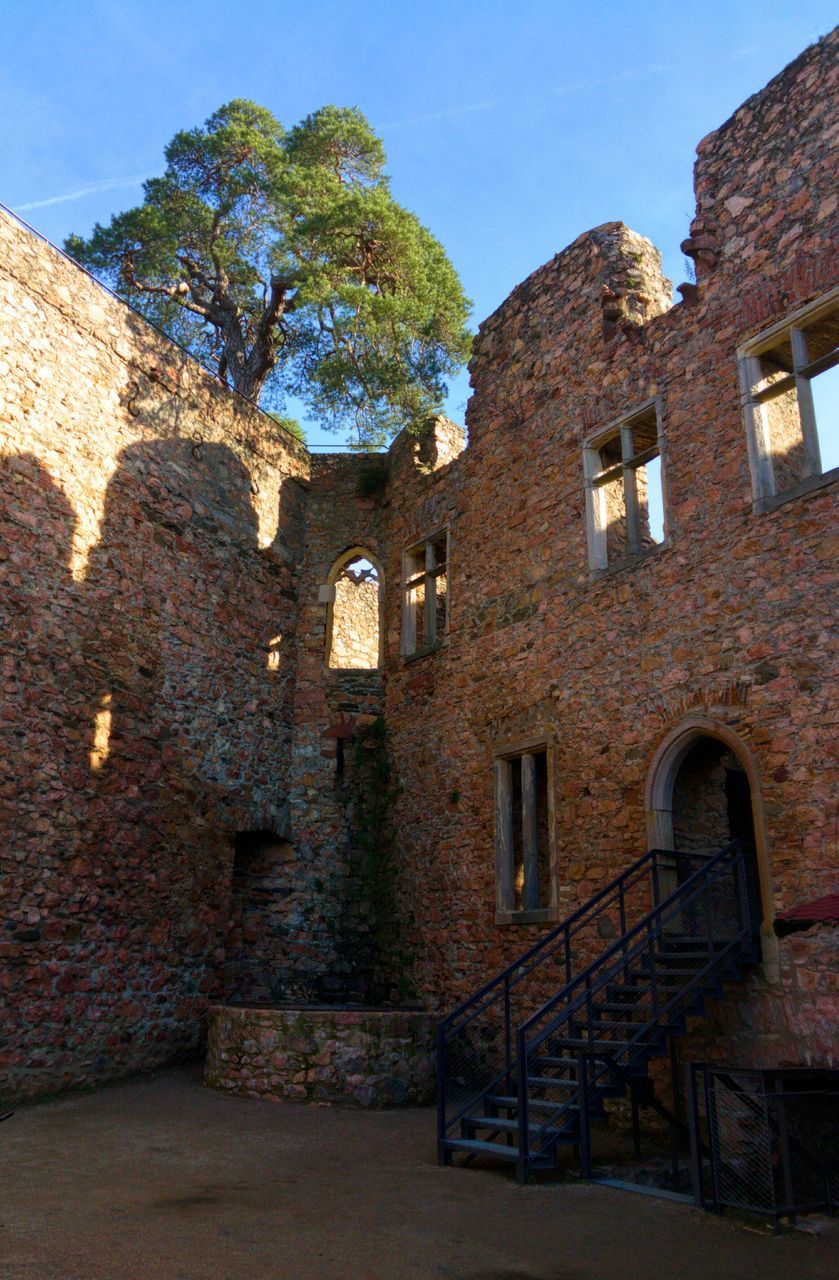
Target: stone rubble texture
[[361, 1057], [164, 682], [355, 626]]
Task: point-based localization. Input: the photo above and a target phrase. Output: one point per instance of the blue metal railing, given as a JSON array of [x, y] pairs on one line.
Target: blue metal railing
[[476, 1045], [572, 1020], [709, 908]]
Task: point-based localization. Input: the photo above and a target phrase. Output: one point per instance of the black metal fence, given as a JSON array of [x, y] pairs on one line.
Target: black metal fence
[[765, 1141]]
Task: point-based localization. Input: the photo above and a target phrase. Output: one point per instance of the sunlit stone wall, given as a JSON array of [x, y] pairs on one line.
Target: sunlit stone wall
[[150, 530]]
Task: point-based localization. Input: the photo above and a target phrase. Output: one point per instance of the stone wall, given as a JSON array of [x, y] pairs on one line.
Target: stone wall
[[725, 629], [364, 1057], [168, 560], [355, 624], [150, 532]]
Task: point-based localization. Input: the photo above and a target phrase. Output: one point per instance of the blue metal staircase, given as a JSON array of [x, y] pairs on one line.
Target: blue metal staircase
[[525, 1064]]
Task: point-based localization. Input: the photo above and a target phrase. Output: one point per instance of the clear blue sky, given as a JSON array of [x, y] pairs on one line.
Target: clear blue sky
[[510, 127]]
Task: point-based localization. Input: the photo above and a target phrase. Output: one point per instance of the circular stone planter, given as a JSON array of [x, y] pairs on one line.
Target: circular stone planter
[[362, 1057]]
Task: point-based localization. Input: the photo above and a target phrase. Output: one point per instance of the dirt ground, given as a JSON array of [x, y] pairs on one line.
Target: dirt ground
[[165, 1180]]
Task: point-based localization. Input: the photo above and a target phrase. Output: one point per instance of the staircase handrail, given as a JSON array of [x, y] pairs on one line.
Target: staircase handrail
[[579, 993], [520, 967], [680, 896]]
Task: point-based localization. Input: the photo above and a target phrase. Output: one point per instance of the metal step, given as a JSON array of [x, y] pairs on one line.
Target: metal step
[[506, 1125], [621, 1024], [511, 1103], [600, 1048], [478, 1148], [553, 1061], [561, 1082], [540, 1081], [640, 981]]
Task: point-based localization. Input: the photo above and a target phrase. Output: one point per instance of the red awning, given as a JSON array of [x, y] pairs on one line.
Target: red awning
[[819, 911]]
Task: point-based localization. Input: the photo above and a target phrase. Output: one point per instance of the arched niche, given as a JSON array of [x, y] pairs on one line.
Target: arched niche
[[354, 595], [662, 780]]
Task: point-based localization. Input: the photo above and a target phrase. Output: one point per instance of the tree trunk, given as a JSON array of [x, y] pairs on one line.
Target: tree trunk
[[247, 369]]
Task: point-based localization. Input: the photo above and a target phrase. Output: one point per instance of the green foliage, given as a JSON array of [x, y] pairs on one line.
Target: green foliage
[[291, 425], [284, 258]]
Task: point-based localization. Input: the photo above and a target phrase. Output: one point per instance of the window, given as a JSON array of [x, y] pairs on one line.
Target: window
[[353, 622], [523, 834], [425, 594], [790, 381], [624, 489]]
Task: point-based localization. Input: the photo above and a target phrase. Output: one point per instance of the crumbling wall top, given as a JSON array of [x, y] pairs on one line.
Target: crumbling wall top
[[603, 288], [773, 161]]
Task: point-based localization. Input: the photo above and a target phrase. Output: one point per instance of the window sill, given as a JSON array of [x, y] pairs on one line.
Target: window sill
[[542, 915], [629, 562], [424, 653], [352, 671], [811, 485]]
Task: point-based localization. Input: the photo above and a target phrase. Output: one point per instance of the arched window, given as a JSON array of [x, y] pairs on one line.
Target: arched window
[[354, 608]]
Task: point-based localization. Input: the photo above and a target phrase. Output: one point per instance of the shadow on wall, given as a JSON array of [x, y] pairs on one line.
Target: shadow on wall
[[144, 721]]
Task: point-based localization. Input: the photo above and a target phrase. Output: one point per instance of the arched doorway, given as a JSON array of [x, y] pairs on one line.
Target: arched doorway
[[703, 791]]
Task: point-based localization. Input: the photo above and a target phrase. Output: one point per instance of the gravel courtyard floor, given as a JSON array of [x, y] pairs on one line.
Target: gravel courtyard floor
[[165, 1180]]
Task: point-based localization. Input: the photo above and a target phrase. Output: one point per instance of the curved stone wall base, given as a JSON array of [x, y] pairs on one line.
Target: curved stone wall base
[[360, 1057]]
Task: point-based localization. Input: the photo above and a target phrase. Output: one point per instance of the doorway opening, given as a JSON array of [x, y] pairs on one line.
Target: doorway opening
[[712, 805], [703, 791]]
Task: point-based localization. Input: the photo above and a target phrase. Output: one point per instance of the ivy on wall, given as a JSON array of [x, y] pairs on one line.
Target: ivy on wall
[[373, 926]]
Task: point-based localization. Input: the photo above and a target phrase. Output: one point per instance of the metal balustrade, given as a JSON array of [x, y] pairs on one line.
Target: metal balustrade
[[525, 1063]]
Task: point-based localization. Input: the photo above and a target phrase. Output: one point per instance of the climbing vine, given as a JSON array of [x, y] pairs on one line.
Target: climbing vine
[[374, 928]]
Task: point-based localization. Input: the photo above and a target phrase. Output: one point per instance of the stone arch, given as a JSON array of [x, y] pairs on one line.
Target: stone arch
[[364, 650], [661, 780]]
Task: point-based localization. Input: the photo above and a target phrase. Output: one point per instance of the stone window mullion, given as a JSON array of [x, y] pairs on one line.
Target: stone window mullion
[[430, 603], [630, 493], [530, 833], [806, 408], [504, 851]]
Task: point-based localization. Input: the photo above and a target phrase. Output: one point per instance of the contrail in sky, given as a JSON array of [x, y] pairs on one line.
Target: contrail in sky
[[560, 91], [105, 184]]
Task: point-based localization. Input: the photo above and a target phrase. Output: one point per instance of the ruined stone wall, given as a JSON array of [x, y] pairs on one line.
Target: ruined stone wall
[[700, 811], [361, 1057], [167, 576], [330, 707], [355, 625], [149, 537], [729, 623]]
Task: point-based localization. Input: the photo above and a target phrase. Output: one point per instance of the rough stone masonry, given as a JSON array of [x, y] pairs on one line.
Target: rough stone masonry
[[170, 725]]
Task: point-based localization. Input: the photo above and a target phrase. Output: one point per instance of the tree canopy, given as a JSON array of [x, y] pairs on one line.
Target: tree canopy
[[282, 258]]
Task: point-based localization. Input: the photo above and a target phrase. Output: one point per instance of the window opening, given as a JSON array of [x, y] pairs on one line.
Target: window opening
[[791, 387], [353, 629], [624, 490], [425, 594], [523, 854]]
